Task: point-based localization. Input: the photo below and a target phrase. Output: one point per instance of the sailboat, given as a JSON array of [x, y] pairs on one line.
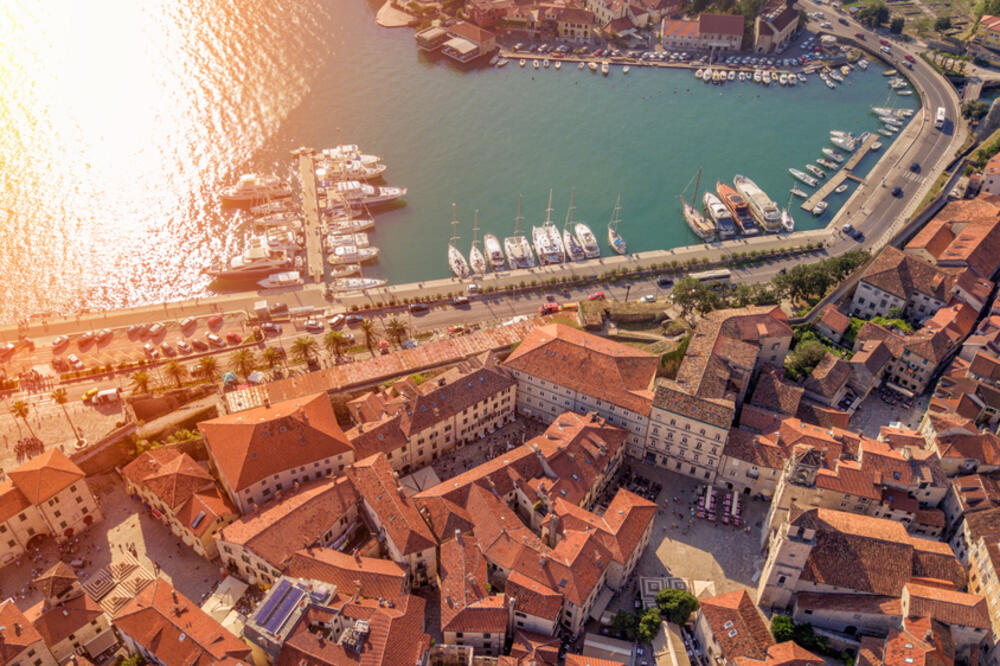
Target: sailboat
[[615, 239], [587, 240], [477, 262], [456, 261], [787, 221], [547, 240], [574, 250], [699, 225], [517, 247], [494, 252]]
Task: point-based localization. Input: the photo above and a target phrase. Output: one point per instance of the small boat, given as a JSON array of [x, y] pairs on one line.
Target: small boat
[[876, 146], [254, 189], [272, 208], [742, 76], [522, 62], [357, 283], [827, 163], [706, 75], [816, 171], [836, 77], [731, 76], [615, 239], [832, 154], [845, 70], [819, 208], [787, 221], [792, 80], [518, 247], [863, 63], [278, 280], [534, 63], [890, 129], [766, 78], [547, 239], [804, 177], [581, 65], [783, 79], [493, 251], [352, 254], [574, 250], [349, 224], [625, 69], [456, 260], [757, 76], [558, 65], [502, 62], [904, 93], [344, 270], [799, 193], [587, 240], [592, 66], [845, 142], [884, 132], [359, 239], [477, 262], [494, 60], [546, 63], [802, 78], [890, 72], [605, 68], [829, 84], [697, 74], [840, 189]]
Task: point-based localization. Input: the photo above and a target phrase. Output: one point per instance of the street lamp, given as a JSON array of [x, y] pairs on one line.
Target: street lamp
[[628, 288]]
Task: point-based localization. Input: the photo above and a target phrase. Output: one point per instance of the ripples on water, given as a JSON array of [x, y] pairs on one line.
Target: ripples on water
[[118, 119]]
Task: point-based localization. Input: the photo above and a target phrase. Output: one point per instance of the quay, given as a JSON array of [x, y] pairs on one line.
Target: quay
[[834, 181], [311, 217]]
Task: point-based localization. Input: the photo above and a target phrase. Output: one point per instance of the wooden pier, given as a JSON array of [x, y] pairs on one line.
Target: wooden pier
[[313, 229], [835, 181]]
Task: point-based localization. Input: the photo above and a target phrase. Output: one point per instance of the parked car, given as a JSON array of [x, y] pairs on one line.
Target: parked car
[[215, 340], [75, 361], [648, 298], [597, 296], [104, 334], [215, 321], [456, 329], [85, 339], [842, 21], [133, 330], [183, 347], [188, 321], [419, 308], [664, 281], [459, 301], [59, 342], [897, 191], [199, 344], [86, 397], [314, 325], [234, 338], [336, 321], [271, 327], [167, 349], [60, 364], [156, 330], [909, 57], [354, 320], [151, 351]]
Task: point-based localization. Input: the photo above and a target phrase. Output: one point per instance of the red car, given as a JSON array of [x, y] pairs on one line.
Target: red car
[[233, 338], [597, 296], [215, 320], [549, 308], [910, 58], [860, 35], [884, 42]]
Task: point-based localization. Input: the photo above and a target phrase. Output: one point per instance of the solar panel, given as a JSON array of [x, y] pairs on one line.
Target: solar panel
[[283, 610], [268, 606]]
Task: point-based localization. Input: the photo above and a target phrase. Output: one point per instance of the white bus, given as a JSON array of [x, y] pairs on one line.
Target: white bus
[[720, 276], [940, 118]]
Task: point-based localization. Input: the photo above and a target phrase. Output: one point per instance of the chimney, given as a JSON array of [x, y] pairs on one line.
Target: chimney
[[458, 535], [267, 402]]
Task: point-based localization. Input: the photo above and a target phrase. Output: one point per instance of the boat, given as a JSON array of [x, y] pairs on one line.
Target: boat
[[802, 77], [350, 224], [347, 162], [477, 262], [456, 260], [359, 239], [890, 130], [882, 111], [715, 77], [836, 76], [574, 249], [354, 191], [890, 72], [739, 207], [845, 142], [731, 76], [256, 262], [876, 146], [277, 220], [494, 60], [766, 78], [762, 208], [819, 208], [799, 193], [804, 177], [494, 252], [255, 189], [884, 132], [558, 65], [816, 171], [517, 247], [787, 221], [829, 164], [840, 189], [625, 69], [534, 63], [724, 225], [585, 237], [357, 283], [706, 75], [522, 62], [742, 77], [757, 76], [863, 63], [701, 226], [272, 208], [344, 270], [548, 245], [892, 122], [546, 63], [783, 79], [592, 66], [615, 239], [352, 254], [502, 62], [605, 68], [581, 65], [829, 84], [697, 74], [904, 93], [845, 70], [278, 280], [833, 154], [792, 80]]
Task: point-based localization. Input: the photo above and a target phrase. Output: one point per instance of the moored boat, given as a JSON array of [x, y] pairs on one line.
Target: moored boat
[[357, 283], [804, 177], [763, 209], [615, 239], [456, 260], [587, 240], [518, 247], [256, 262], [799, 193], [494, 252], [816, 171], [833, 154], [605, 68], [724, 225], [352, 254], [278, 280], [829, 164], [739, 208], [574, 250], [819, 208], [787, 221], [255, 189], [356, 192], [344, 270], [477, 262]]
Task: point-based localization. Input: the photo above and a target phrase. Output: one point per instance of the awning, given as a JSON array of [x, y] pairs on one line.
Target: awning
[[256, 377], [229, 377], [603, 599]]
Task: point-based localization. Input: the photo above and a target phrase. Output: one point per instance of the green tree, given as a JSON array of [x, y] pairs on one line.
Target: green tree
[[59, 397], [782, 628], [243, 361], [304, 349], [676, 605], [942, 23], [134, 660], [975, 109], [649, 625], [396, 330], [19, 409], [693, 296], [896, 25], [371, 335], [625, 623], [806, 356], [177, 372], [873, 13], [272, 356], [335, 343], [208, 367], [140, 382]]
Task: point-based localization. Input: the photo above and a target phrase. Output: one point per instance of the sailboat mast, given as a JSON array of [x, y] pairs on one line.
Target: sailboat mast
[[696, 184], [475, 227], [548, 210], [454, 224], [569, 211], [517, 220]]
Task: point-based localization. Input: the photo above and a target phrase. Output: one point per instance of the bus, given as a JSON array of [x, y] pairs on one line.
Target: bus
[[720, 276], [939, 118]]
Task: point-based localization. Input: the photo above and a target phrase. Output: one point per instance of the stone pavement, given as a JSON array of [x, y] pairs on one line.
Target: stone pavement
[[511, 435], [875, 412]]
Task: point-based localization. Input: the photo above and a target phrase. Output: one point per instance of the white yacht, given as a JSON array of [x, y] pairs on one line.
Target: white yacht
[[816, 171], [456, 260], [547, 240], [360, 239], [347, 162], [829, 164], [725, 225], [356, 192], [605, 68], [819, 208], [278, 280], [574, 250], [477, 262], [352, 254], [357, 283], [833, 154], [344, 270], [255, 189], [615, 239], [845, 142], [585, 237], [272, 208], [257, 262], [787, 221], [761, 206], [802, 78], [494, 252], [518, 247], [343, 224], [804, 177]]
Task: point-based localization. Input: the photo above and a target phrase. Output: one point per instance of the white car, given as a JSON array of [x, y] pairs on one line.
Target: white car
[[313, 325], [336, 320], [75, 361], [648, 298]]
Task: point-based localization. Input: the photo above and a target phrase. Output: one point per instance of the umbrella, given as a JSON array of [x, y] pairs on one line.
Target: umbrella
[[229, 377], [256, 377]]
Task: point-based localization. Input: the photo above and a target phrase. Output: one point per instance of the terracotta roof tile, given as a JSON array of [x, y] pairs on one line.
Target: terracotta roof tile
[[18, 633], [737, 625], [754, 450], [900, 274], [784, 654], [529, 647], [466, 605], [45, 475], [775, 393], [829, 376], [947, 606], [171, 475], [532, 597], [57, 580], [12, 501], [835, 319], [720, 24], [369, 577], [55, 623], [868, 604]]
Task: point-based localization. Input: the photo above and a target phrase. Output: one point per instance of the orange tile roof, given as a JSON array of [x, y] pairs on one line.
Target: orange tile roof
[[55, 581], [720, 24], [947, 606], [921, 642], [737, 625], [984, 447], [244, 445], [466, 605], [590, 364], [784, 654], [868, 604], [172, 628], [366, 576], [55, 623], [45, 475], [835, 319], [377, 484], [901, 274], [12, 501], [18, 633], [622, 525], [211, 505], [529, 647], [171, 475], [573, 659], [679, 28], [533, 597]]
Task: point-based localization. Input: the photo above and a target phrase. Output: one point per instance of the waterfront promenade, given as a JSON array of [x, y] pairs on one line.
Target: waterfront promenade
[[311, 217]]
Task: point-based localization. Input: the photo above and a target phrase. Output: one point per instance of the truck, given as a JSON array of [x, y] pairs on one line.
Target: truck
[[940, 117]]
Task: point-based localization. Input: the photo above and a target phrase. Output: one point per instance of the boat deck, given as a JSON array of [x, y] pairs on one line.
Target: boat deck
[[834, 181], [311, 218]]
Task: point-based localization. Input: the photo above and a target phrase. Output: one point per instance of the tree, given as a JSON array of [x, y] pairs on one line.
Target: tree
[[396, 330], [304, 349], [975, 109], [207, 367], [782, 628], [649, 625], [272, 356], [806, 356], [371, 335], [335, 343], [873, 13], [19, 409], [134, 660], [625, 623], [243, 361], [692, 295], [177, 372], [59, 397], [896, 25], [942, 23], [676, 605], [140, 382]]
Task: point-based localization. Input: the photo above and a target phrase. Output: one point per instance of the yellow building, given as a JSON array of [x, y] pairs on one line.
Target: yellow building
[[988, 32]]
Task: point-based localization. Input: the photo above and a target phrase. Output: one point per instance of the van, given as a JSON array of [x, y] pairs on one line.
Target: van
[[106, 396], [418, 308]]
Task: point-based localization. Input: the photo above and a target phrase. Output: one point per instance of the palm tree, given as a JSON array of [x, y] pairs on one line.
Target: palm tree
[[304, 349], [19, 409], [335, 342], [176, 371], [371, 336], [396, 330], [272, 356], [140, 382], [207, 366], [59, 397], [243, 361]]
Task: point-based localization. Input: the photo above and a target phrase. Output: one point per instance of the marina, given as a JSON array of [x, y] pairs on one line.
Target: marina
[[834, 182]]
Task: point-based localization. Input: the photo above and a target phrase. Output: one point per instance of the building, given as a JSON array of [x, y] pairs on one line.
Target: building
[[468, 42], [730, 627], [242, 445], [259, 546], [965, 234], [715, 32], [470, 614], [679, 34], [167, 628], [281, 609], [991, 172], [413, 424], [833, 324], [988, 32], [918, 641], [774, 26], [20, 642], [47, 495], [915, 358], [897, 280], [397, 523], [367, 577], [606, 11], [69, 621], [181, 494]]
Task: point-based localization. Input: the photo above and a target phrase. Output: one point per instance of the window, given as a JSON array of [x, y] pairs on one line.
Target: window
[[79, 499], [57, 513]]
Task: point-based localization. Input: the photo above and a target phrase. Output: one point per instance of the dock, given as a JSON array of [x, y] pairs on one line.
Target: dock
[[834, 181], [313, 229]]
